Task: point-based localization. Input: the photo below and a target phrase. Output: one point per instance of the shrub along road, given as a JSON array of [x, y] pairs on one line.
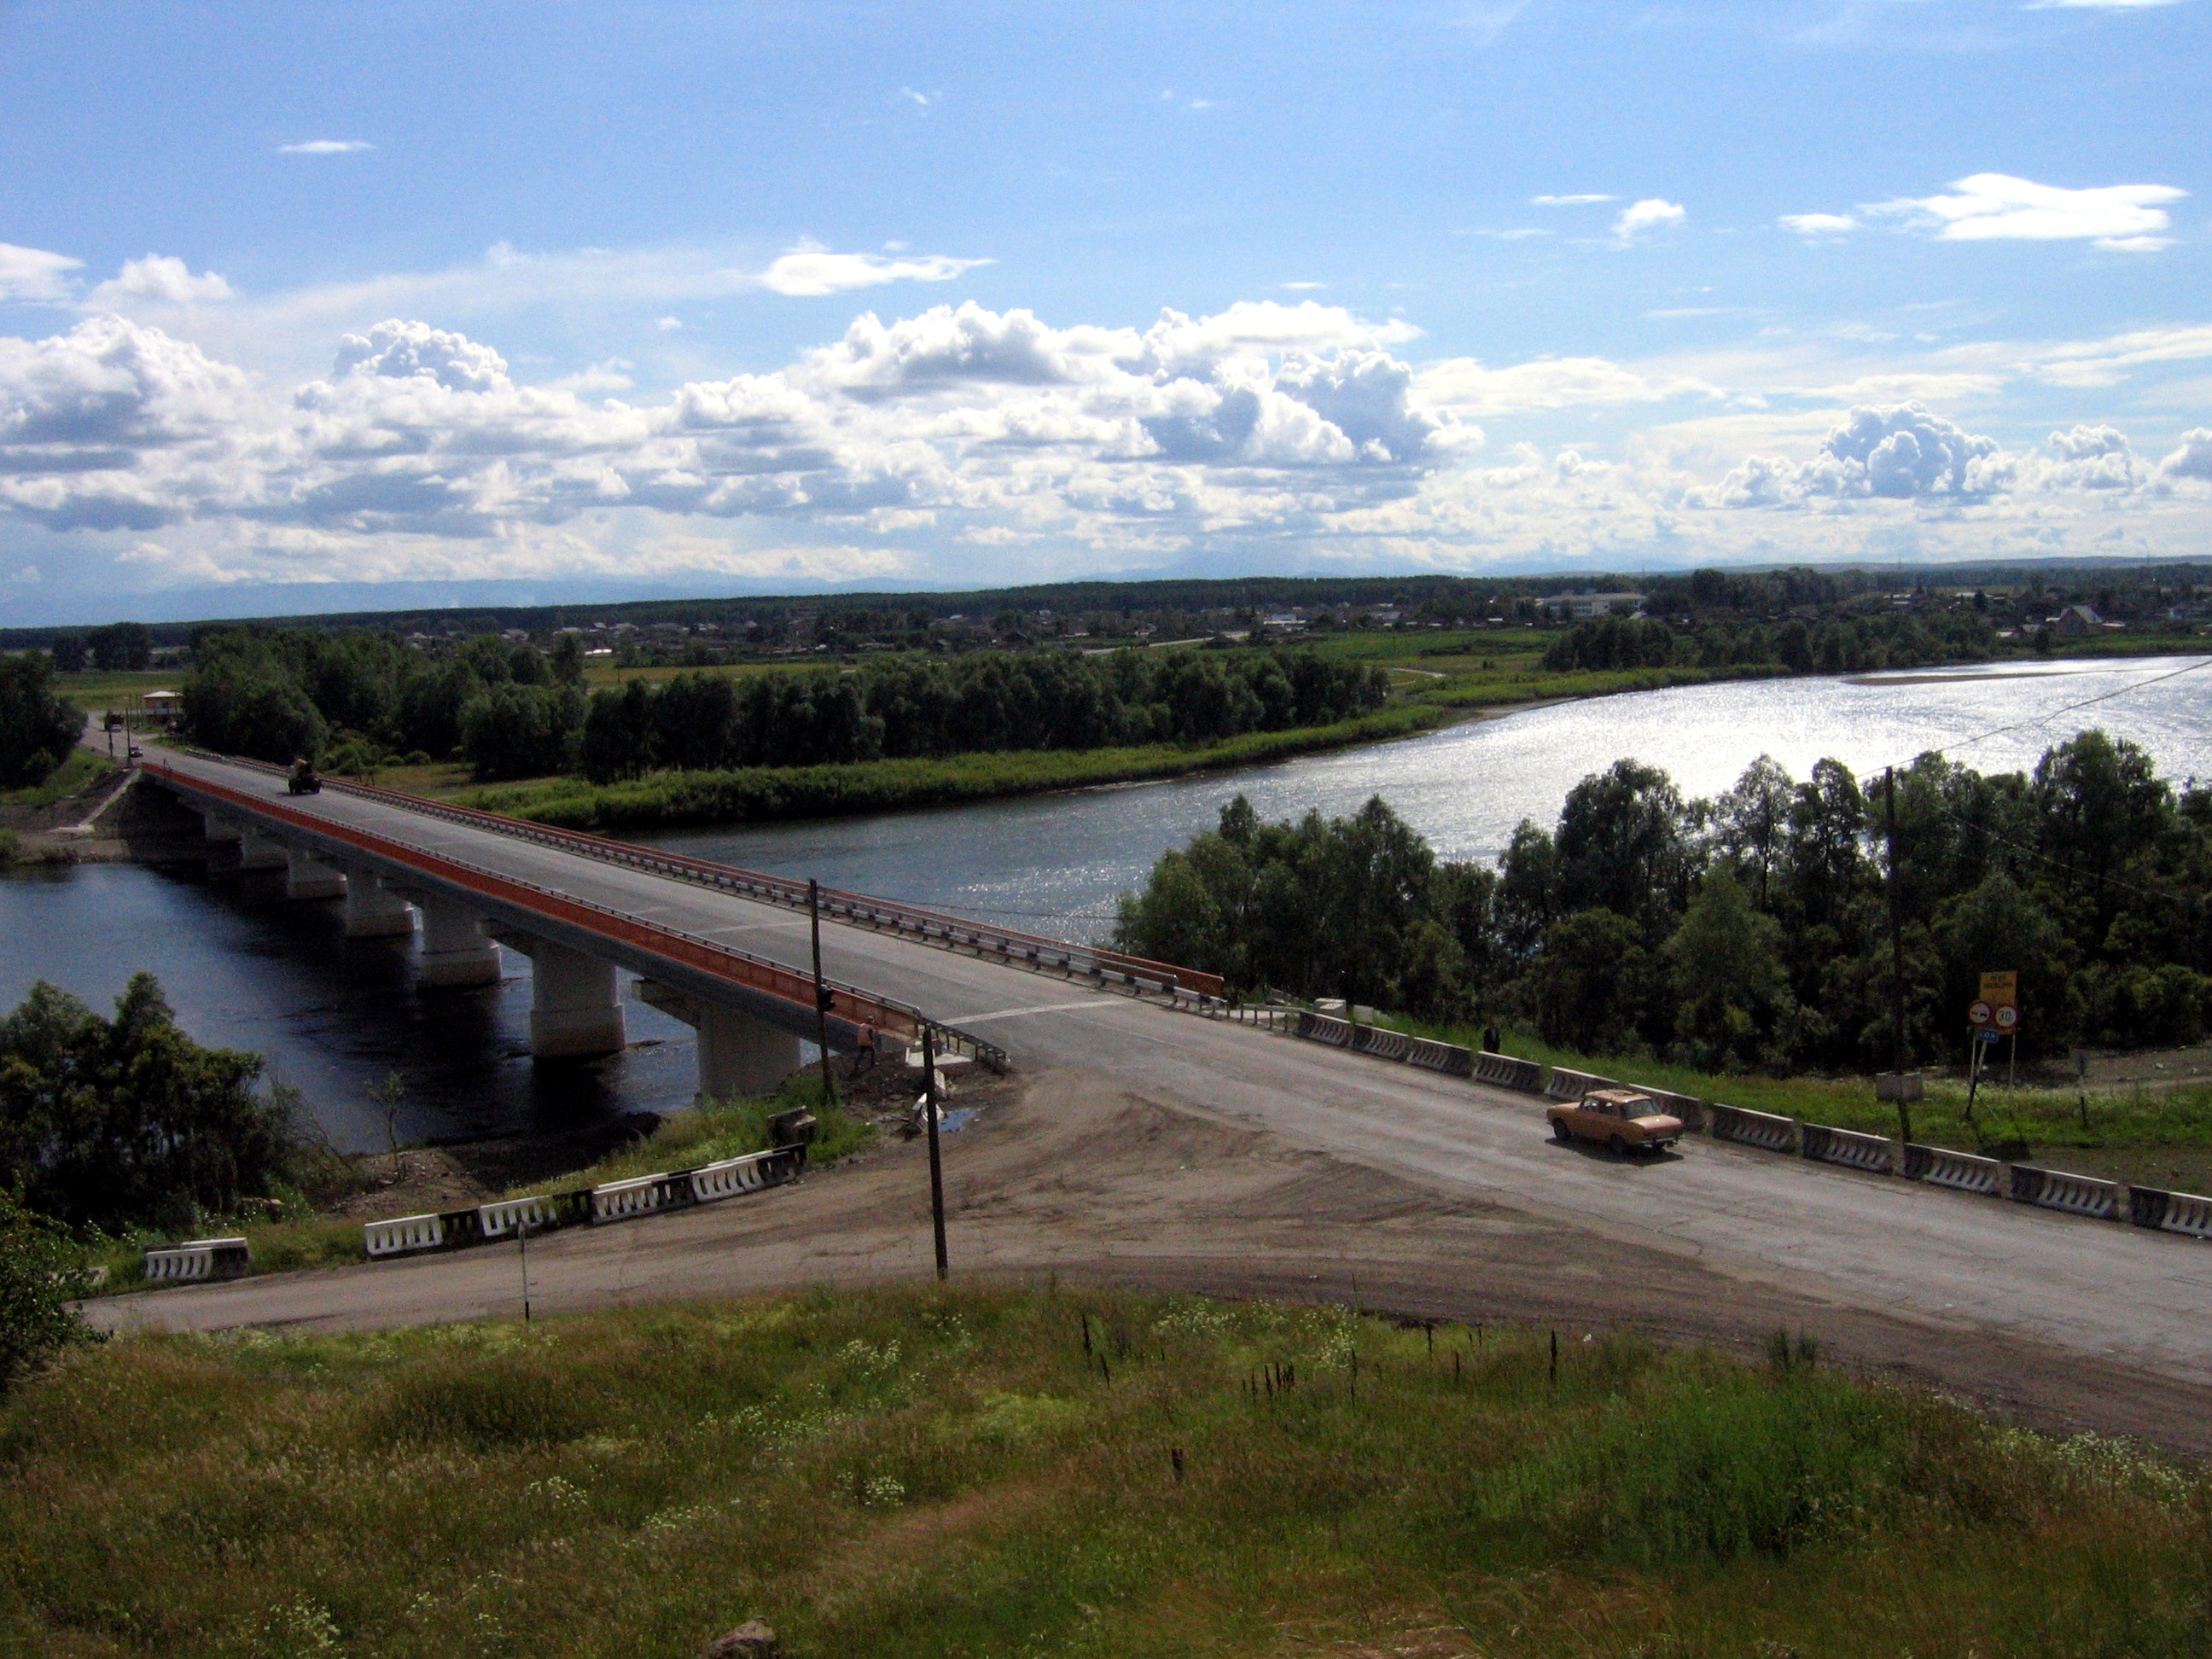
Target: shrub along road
[[2066, 1318]]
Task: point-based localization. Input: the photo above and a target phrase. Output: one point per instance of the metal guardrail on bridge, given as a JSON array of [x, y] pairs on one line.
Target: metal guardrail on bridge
[[850, 1002]]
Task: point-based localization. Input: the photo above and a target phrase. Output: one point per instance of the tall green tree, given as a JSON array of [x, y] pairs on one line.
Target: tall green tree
[[38, 726]]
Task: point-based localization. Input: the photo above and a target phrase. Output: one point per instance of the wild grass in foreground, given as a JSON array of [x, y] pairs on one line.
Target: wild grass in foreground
[[923, 1473], [301, 1238]]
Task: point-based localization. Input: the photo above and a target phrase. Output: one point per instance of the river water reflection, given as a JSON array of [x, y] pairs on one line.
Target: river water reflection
[[1055, 863], [245, 969]]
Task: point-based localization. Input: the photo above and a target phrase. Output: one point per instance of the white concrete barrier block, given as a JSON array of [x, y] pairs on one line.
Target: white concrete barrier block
[[405, 1235]]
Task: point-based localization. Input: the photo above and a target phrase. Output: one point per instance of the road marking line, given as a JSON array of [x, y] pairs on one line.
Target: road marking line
[[1045, 1008]]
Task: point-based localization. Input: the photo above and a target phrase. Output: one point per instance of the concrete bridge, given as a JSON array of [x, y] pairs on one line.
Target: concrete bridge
[[731, 950]]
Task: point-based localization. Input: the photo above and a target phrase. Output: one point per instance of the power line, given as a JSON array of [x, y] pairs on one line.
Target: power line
[[2051, 714]]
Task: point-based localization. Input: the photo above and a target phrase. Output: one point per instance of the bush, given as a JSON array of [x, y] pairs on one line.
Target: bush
[[38, 726], [128, 1122], [40, 1274]]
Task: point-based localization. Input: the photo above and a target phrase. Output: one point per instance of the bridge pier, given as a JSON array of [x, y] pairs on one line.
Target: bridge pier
[[372, 911], [258, 852], [221, 831], [575, 1005], [455, 951], [737, 1055], [307, 877]]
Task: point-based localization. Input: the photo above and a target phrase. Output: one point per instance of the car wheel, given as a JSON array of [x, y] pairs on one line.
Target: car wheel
[[1559, 1132], [1617, 1147]]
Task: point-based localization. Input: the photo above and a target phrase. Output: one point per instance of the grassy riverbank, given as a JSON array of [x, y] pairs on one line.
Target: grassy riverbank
[[926, 1472], [764, 794], [301, 1238]]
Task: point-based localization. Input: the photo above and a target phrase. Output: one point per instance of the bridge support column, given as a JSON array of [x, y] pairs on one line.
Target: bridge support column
[[737, 1055], [373, 912], [455, 951], [576, 1007], [307, 877], [221, 831], [258, 852]]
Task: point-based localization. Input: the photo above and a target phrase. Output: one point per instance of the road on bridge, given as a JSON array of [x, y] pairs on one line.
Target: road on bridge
[[1947, 1263]]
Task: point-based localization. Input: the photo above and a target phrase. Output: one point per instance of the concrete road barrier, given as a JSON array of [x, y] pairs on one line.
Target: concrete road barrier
[[2054, 1189], [618, 1200], [1324, 1028], [733, 1175], [1573, 1085], [2170, 1212], [406, 1235], [1849, 1147], [196, 1260], [1688, 1108], [1445, 1057], [541, 1213], [1383, 1042], [1506, 1072], [1749, 1128], [1962, 1171]]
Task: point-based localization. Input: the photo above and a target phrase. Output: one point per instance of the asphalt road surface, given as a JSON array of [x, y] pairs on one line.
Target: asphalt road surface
[[1950, 1264]]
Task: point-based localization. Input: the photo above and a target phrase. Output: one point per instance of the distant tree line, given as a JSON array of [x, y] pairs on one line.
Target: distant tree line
[[127, 1122], [1838, 646], [978, 704], [512, 709], [516, 712], [1749, 931], [117, 648]]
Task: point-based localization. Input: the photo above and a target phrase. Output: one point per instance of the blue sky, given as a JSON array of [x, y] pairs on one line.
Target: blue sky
[[726, 297]]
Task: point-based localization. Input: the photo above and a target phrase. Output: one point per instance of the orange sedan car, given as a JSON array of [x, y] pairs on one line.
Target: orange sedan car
[[1620, 1120]]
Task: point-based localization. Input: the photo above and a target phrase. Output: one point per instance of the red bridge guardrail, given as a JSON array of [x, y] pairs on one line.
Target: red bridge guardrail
[[850, 1002]]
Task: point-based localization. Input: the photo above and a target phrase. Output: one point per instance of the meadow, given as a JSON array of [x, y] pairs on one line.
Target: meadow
[[1045, 1470]]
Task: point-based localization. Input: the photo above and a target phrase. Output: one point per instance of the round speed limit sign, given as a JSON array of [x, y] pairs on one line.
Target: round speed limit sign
[[1978, 1014], [2006, 1017]]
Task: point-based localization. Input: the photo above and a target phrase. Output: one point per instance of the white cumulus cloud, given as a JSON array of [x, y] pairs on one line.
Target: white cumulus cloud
[[2193, 460], [1646, 217], [160, 277], [1569, 201], [326, 147], [31, 273], [1819, 224], [809, 270], [1998, 207]]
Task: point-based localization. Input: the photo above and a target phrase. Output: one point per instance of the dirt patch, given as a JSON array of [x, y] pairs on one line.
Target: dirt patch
[[1089, 1184]]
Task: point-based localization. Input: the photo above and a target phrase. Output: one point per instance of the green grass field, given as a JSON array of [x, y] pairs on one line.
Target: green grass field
[[929, 1473]]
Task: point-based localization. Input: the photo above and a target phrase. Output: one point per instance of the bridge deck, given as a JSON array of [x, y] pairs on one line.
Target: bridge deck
[[1863, 1242]]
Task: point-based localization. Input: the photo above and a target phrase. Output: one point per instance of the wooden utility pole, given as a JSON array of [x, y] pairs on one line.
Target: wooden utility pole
[[936, 1163], [1896, 959], [821, 995]]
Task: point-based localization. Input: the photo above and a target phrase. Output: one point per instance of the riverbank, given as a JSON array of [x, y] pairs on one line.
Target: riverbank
[[672, 800]]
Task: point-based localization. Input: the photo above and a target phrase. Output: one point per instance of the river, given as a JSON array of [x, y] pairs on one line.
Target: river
[[246, 968]]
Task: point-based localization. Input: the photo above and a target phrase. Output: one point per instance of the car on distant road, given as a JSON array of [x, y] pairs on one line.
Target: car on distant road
[[1622, 1121]]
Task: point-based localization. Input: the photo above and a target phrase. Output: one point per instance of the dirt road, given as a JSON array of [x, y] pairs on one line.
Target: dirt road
[[1089, 1181]]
